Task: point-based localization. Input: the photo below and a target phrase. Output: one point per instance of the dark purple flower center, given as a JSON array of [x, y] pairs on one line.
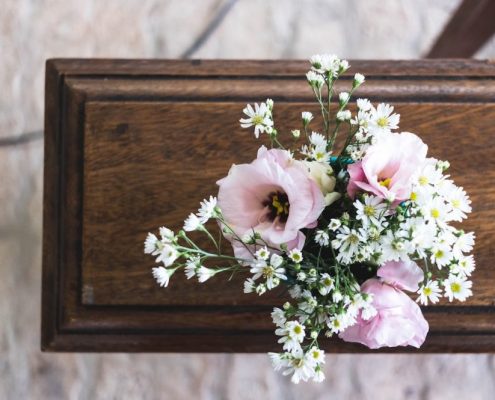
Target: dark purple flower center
[[278, 206]]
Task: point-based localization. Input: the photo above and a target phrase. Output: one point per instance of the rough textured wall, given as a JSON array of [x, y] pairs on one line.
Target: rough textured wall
[[33, 30]]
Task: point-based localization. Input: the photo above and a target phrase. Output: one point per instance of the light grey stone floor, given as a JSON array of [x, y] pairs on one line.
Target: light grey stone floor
[[34, 30]]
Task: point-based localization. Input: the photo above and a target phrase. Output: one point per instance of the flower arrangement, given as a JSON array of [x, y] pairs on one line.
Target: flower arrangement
[[347, 232]]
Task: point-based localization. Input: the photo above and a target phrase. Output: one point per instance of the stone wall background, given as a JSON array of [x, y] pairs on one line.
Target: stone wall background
[[34, 30]]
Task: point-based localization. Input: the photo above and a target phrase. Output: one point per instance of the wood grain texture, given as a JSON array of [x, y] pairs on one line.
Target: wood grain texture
[[133, 145]]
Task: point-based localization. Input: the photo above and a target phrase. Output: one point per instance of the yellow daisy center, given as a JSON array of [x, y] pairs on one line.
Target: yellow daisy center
[[257, 120], [455, 287], [382, 122]]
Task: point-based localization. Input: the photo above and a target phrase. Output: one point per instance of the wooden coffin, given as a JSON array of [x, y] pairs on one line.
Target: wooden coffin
[[131, 145]]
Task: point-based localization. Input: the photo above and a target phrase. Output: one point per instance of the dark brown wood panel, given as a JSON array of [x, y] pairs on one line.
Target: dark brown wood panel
[[132, 145], [471, 26]]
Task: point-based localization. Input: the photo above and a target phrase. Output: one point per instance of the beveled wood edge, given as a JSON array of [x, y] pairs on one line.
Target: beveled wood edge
[[246, 68], [251, 342], [54, 338]]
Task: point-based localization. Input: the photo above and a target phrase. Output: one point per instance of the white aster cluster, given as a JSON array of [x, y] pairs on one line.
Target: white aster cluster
[[417, 229]]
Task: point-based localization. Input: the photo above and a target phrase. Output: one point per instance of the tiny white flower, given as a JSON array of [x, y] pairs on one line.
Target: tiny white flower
[[326, 284], [441, 254], [192, 264], [296, 133], [318, 140], [337, 323], [278, 317], [358, 79], [262, 253], [322, 238], [276, 260], [334, 224], [344, 66], [207, 209], [344, 97], [192, 223], [363, 104], [337, 296], [168, 254], [429, 293], [204, 274], [306, 117], [464, 266], [344, 115], [371, 211], [457, 287], [316, 355], [249, 285], [166, 235], [463, 244], [383, 120], [295, 291], [162, 275], [296, 255], [150, 243], [315, 80], [259, 117]]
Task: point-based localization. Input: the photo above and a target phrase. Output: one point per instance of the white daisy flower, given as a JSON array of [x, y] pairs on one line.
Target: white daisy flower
[[166, 235], [316, 356], [162, 275], [363, 104], [429, 293], [347, 242], [262, 253], [295, 255], [204, 273], [464, 266], [326, 284], [383, 120], [337, 323], [322, 238], [334, 224], [371, 211], [192, 223], [358, 79], [300, 367], [207, 209], [315, 80], [458, 201], [276, 260], [318, 140], [279, 360], [307, 117], [192, 264], [249, 285], [344, 97], [295, 291], [326, 64], [463, 244], [394, 247], [292, 336], [259, 117], [344, 115], [457, 287], [150, 244], [168, 254], [278, 317], [441, 254], [270, 273]]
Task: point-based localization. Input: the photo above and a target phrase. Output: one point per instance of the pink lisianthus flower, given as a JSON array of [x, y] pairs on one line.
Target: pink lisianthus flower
[[388, 167], [404, 275], [398, 321], [273, 196]]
